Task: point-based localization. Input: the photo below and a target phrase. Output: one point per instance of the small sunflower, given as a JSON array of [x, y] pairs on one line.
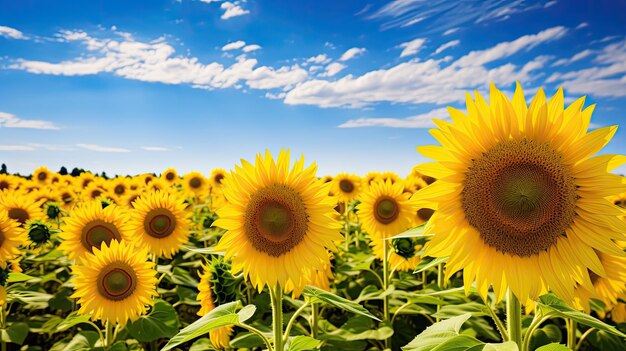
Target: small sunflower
[[195, 184], [170, 175], [217, 178], [42, 175], [12, 236], [20, 206], [89, 226], [520, 199], [115, 284], [414, 184], [9, 182], [346, 187], [402, 255], [68, 197], [118, 187], [385, 209], [94, 190], [371, 177], [128, 200], [160, 223], [84, 179], [278, 220]]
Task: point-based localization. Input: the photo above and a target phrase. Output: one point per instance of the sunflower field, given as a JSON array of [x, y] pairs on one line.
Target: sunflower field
[[512, 238]]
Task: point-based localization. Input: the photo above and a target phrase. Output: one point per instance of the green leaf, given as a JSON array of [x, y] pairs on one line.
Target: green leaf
[[550, 304], [475, 308], [183, 277], [246, 341], [18, 277], [61, 301], [15, 333], [417, 232], [71, 320], [82, 341], [371, 292], [202, 344], [553, 347], [301, 342], [161, 322], [221, 316], [437, 333], [506, 346], [317, 294], [356, 328], [429, 262]]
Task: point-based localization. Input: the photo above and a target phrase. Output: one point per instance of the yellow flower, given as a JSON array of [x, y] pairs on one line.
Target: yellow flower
[[12, 235], [346, 187], [520, 201], [402, 254], [195, 184], [20, 206], [385, 209], [170, 175], [42, 175]]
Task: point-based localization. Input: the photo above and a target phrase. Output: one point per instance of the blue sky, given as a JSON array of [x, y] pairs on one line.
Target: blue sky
[[133, 87]]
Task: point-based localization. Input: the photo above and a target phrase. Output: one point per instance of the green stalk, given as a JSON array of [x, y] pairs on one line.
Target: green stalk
[[346, 226], [499, 324], [386, 286], [292, 321], [314, 317], [514, 318], [276, 296], [572, 326], [440, 283], [108, 335]]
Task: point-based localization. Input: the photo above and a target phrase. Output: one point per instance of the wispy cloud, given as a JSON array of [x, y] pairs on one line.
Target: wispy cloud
[[332, 69], [579, 56], [154, 148], [352, 53], [234, 45], [582, 25], [16, 148], [252, 47], [11, 33], [447, 45], [411, 47], [100, 148], [232, 9], [8, 120], [424, 120]]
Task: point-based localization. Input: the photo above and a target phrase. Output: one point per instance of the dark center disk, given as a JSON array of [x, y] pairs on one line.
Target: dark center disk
[[386, 210], [219, 178], [404, 247], [169, 176], [97, 232], [42, 176], [159, 223], [119, 189], [195, 182], [117, 281], [346, 185], [425, 213], [19, 214], [275, 219], [66, 197], [4, 185], [95, 194], [520, 197]]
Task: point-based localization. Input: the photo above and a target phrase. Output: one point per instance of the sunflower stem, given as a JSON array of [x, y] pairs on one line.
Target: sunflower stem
[[346, 226], [440, 284], [572, 327], [314, 318], [108, 334], [276, 295], [386, 286], [514, 318], [497, 321], [536, 322], [293, 319], [582, 338]]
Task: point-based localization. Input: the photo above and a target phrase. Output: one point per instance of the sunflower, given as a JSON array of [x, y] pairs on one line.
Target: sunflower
[[115, 284], [346, 187], [42, 175], [217, 178], [217, 286], [11, 237], [606, 289], [520, 201], [118, 187], [128, 200], [160, 223], [278, 220], [195, 184], [393, 177], [9, 182], [20, 206], [327, 179], [317, 278], [170, 175], [89, 226], [385, 209], [413, 184], [371, 177], [94, 190], [84, 179], [68, 197], [402, 255]]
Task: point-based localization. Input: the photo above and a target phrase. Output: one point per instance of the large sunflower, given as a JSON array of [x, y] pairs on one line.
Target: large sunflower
[[520, 201], [115, 284], [90, 225], [346, 187], [160, 223], [278, 220], [385, 209], [11, 237], [20, 206]]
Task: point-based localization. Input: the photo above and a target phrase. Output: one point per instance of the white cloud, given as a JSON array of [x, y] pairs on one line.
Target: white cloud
[[549, 4], [252, 47], [232, 10], [156, 61], [579, 56], [100, 148], [447, 46], [451, 31], [154, 148], [234, 45], [11, 33], [273, 96], [16, 148], [435, 81], [332, 69], [352, 53], [411, 47], [424, 120], [582, 25], [8, 120], [319, 59]]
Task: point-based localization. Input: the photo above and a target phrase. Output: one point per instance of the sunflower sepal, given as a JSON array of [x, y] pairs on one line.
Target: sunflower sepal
[[231, 313]]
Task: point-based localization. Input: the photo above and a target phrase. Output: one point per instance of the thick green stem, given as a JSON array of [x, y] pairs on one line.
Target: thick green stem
[[514, 318], [314, 317], [108, 335], [346, 226], [386, 286], [537, 321], [572, 326], [499, 324], [277, 317]]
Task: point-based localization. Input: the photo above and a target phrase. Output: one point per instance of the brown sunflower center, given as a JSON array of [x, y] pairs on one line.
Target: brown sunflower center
[[195, 182], [42, 176], [425, 213], [117, 281], [159, 223], [219, 178], [119, 189], [19, 214], [95, 193], [4, 185], [169, 176], [520, 197], [346, 185], [97, 232], [275, 219], [386, 210]]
